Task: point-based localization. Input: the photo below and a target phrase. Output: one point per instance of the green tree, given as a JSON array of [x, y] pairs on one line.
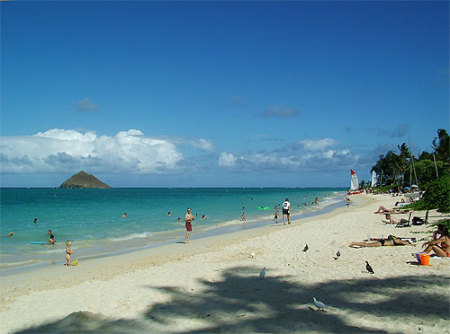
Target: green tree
[[436, 196], [426, 171], [441, 145]]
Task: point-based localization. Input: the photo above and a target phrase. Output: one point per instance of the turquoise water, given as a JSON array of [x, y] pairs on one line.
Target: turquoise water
[[92, 218]]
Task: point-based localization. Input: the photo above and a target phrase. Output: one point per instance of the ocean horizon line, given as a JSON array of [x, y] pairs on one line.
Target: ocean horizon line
[[192, 187]]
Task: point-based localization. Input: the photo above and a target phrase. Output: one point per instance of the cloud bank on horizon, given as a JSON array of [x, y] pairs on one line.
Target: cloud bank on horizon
[[133, 152]]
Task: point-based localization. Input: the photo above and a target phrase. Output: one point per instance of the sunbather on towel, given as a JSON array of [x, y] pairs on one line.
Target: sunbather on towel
[[390, 241], [392, 220], [383, 210]]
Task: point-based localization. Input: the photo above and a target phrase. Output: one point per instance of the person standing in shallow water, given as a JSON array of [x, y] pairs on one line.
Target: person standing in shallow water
[[188, 218], [286, 207]]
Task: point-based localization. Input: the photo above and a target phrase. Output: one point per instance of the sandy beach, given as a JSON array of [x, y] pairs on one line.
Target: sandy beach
[[213, 284]]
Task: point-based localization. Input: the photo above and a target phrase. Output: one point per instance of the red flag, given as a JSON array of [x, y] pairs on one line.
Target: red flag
[[351, 171]]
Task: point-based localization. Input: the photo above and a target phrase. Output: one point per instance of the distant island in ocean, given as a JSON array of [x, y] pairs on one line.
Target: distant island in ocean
[[84, 180]]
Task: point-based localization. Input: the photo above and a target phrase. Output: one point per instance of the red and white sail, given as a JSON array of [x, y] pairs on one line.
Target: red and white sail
[[354, 184]]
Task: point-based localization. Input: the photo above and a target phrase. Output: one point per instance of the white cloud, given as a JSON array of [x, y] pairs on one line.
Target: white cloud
[[203, 144], [68, 150], [227, 160], [320, 144], [303, 155]]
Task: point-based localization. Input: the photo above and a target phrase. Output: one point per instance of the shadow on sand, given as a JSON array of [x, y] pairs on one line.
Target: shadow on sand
[[240, 302]]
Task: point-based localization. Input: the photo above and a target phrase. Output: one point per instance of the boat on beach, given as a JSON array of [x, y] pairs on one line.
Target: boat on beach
[[354, 184]]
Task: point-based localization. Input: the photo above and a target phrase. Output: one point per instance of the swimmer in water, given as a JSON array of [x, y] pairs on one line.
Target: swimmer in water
[[51, 241]]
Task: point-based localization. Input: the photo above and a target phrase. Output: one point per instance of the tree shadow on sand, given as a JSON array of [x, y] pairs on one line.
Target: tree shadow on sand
[[240, 302]]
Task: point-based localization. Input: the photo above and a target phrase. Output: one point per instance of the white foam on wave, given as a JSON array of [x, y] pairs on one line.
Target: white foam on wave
[[12, 264], [133, 236]]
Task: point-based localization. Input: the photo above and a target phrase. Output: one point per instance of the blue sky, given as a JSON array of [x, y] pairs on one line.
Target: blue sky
[[174, 94]]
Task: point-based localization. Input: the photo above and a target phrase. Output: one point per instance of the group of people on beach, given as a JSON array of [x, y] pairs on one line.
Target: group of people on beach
[[285, 207], [439, 243]]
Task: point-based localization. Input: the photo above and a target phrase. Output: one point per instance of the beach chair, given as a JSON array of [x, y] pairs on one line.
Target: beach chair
[[404, 222], [420, 221]]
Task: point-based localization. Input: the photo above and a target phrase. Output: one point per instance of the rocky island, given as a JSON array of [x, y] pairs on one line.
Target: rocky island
[[84, 180]]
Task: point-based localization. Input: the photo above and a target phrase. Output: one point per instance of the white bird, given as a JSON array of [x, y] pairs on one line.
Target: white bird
[[319, 304], [252, 254], [262, 273]]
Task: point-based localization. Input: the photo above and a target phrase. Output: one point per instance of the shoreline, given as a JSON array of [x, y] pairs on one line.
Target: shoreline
[[166, 238], [143, 288]]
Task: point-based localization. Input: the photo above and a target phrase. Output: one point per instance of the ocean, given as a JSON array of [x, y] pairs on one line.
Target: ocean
[[92, 218]]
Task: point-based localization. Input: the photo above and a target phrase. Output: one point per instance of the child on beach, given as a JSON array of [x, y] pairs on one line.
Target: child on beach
[[51, 241], [68, 252], [243, 216]]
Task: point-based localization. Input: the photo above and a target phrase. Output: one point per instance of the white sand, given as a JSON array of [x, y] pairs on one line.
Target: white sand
[[212, 285]]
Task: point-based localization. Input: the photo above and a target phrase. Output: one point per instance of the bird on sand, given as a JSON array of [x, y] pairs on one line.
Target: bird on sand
[[262, 273], [338, 254], [305, 249], [319, 304], [369, 268], [252, 254]]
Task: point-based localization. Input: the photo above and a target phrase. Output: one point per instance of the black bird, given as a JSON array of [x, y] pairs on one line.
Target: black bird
[[338, 254], [369, 268], [306, 248]]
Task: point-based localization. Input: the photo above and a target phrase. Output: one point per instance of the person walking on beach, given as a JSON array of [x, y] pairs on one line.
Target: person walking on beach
[[286, 207], [68, 252], [188, 218]]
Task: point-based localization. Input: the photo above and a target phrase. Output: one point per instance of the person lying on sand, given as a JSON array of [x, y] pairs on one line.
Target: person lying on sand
[[390, 241], [382, 209], [392, 220]]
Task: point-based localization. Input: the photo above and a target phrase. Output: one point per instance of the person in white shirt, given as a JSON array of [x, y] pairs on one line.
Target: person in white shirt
[[286, 207]]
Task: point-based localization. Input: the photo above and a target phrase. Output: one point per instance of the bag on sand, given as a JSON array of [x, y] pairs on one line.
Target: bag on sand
[[417, 221]]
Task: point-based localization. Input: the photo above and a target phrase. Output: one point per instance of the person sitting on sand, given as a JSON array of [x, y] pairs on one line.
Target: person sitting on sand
[[440, 245], [390, 241], [68, 252]]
